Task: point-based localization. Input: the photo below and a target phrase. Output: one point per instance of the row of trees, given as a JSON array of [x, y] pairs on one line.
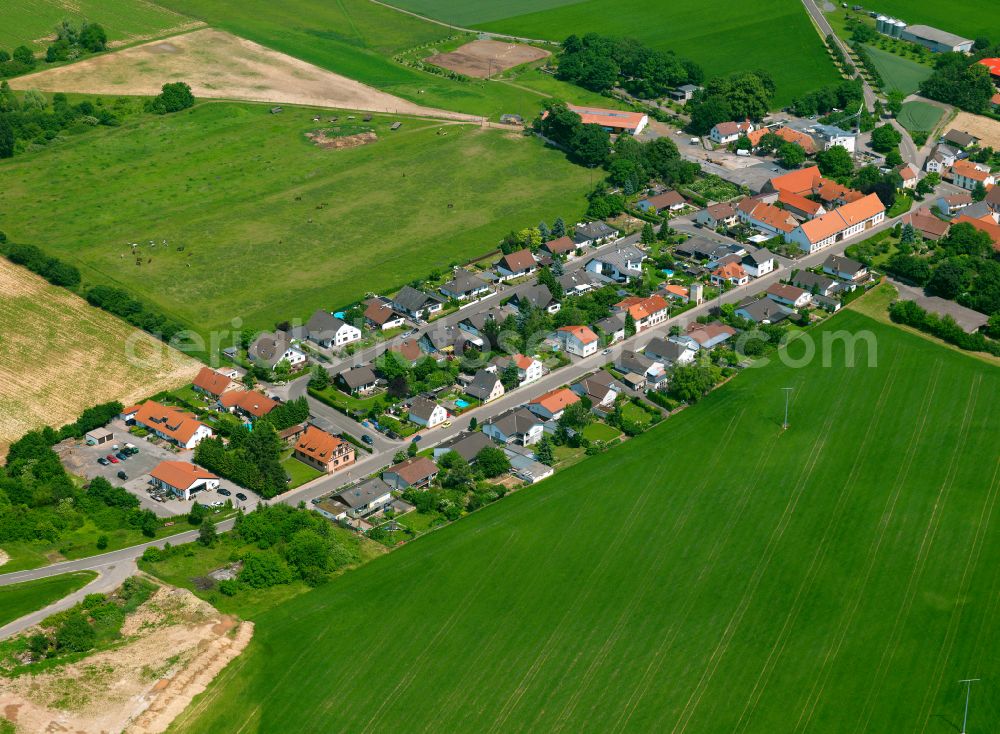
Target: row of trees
[[52, 269], [944, 327], [598, 62], [72, 42]]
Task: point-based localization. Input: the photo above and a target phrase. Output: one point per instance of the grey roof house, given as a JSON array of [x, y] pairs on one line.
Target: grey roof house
[[620, 265], [358, 379], [366, 498], [592, 233], [464, 285], [764, 311], [536, 296], [466, 445], [519, 426], [417, 303]]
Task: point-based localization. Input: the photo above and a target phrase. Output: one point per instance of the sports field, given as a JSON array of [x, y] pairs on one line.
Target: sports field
[[722, 36], [716, 574], [17, 600], [271, 225], [33, 22], [919, 116], [358, 39], [899, 74], [59, 356]]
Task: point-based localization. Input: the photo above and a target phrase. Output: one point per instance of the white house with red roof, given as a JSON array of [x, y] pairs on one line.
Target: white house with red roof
[[841, 223], [178, 427], [578, 340], [646, 312], [967, 174], [724, 133], [182, 478], [614, 121]]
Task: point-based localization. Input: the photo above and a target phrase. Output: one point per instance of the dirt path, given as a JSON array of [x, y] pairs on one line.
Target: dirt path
[[219, 65], [175, 645]]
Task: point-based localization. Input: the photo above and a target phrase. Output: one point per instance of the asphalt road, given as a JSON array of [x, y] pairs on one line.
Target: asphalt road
[[370, 463]]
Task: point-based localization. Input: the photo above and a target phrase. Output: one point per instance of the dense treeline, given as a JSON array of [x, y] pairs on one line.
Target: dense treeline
[[120, 303], [252, 459], [38, 499], [959, 81], [598, 62], [52, 269], [32, 120], [72, 42], [746, 95], [846, 95], [961, 267], [287, 414]]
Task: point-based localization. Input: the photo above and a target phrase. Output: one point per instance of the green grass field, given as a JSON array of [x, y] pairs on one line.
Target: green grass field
[[716, 574], [899, 74], [919, 116], [272, 226], [17, 600], [358, 38], [723, 37], [968, 18], [30, 23]]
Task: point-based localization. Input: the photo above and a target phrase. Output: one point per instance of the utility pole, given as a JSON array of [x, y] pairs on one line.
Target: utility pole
[[968, 691], [788, 392]]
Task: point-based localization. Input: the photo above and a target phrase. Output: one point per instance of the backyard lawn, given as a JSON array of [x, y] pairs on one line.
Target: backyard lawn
[[299, 472], [600, 432], [262, 225], [843, 579]]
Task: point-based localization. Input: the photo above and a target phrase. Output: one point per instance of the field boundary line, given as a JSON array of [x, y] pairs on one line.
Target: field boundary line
[[819, 555], [491, 34], [921, 560], [971, 563], [736, 619]]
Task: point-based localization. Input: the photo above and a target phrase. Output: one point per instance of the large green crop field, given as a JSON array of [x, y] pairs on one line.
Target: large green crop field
[[968, 18], [273, 227], [23, 22], [900, 74], [358, 39], [17, 600], [717, 574], [722, 36]]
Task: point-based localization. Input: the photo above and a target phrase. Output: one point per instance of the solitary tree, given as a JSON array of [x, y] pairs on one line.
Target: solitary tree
[[207, 533]]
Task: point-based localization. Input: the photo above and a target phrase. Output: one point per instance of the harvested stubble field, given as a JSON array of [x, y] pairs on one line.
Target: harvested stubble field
[[984, 128], [487, 58], [842, 579], [59, 355], [218, 65]]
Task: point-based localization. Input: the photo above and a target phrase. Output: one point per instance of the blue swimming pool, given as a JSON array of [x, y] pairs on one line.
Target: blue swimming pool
[[461, 403]]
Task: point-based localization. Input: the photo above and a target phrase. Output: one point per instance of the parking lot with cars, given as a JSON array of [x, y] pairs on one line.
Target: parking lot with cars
[[131, 471]]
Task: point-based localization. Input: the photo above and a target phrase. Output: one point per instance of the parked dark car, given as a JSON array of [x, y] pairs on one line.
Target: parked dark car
[[367, 439], [122, 456], [241, 497], [122, 475], [223, 491], [102, 461]]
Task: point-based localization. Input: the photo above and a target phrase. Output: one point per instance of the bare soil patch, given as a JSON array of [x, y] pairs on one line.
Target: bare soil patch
[[330, 139], [175, 645], [485, 58], [59, 355], [984, 128], [220, 65]]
